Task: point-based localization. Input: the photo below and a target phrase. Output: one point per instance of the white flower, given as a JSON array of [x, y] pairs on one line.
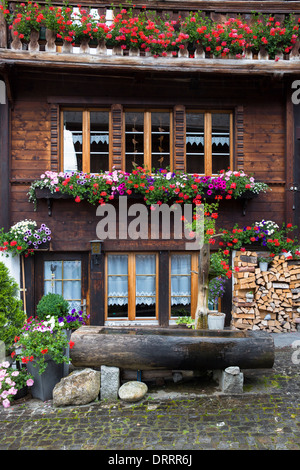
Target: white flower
[[50, 324]]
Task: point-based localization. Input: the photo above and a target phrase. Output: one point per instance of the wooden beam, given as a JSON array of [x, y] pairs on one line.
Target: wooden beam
[[86, 160], [4, 166], [208, 143], [163, 283], [289, 160], [123, 64], [97, 296]]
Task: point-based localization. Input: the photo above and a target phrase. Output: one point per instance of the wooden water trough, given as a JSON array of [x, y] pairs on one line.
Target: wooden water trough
[[136, 348]]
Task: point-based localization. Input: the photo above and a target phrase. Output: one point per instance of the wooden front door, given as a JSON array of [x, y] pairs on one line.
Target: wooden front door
[[65, 274]]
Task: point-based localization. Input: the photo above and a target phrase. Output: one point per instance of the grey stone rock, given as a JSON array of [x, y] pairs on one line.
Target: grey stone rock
[[232, 380], [133, 391], [78, 388], [110, 383]]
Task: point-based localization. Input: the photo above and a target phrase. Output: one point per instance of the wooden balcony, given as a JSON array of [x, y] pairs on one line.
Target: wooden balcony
[[43, 51]]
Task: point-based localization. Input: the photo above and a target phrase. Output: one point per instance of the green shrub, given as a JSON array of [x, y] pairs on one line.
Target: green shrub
[[53, 305], [12, 315]]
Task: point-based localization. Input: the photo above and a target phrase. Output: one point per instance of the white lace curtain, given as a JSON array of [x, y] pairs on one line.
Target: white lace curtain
[[199, 140], [102, 138], [180, 279], [117, 270], [145, 279], [145, 267]]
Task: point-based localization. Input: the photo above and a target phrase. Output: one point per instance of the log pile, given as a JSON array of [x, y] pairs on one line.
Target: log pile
[[276, 303]]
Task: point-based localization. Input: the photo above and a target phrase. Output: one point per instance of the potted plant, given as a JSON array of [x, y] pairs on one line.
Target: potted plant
[[249, 296], [52, 305], [43, 347], [12, 383], [263, 263], [27, 19], [215, 320]]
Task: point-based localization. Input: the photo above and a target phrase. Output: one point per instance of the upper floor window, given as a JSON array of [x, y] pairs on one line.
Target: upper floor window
[[146, 138], [86, 141], [208, 142]]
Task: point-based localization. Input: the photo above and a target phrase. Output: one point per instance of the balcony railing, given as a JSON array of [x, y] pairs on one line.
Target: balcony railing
[[44, 45]]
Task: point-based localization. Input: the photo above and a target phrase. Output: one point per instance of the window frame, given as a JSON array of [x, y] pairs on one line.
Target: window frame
[[131, 286], [208, 136], [148, 133], [62, 280], [86, 136], [194, 280], [39, 260]]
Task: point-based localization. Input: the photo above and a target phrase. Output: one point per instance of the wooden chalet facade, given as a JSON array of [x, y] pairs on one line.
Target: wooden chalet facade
[[100, 97]]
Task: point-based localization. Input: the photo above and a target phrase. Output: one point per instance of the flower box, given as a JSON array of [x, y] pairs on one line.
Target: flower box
[[45, 193], [43, 247]]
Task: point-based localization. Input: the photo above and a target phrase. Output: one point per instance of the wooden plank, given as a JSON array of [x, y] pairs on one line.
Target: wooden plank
[[4, 167], [179, 138], [208, 143], [117, 142], [239, 138], [86, 162], [96, 290], [75, 62], [131, 286], [289, 160], [163, 288], [147, 141]]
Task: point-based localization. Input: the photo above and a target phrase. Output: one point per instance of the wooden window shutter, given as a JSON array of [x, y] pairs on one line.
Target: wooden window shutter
[[239, 138], [116, 145], [54, 136], [179, 139]]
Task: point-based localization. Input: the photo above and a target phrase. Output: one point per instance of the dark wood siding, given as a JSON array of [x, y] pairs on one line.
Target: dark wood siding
[[260, 132]]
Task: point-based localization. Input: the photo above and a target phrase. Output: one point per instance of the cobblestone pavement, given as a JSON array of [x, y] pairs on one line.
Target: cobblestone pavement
[[184, 417]]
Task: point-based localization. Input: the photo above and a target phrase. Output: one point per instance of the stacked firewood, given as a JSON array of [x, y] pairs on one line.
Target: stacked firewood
[[275, 306]]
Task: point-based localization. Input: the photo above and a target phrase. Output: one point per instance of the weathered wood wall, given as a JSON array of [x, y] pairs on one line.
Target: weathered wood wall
[[263, 106]]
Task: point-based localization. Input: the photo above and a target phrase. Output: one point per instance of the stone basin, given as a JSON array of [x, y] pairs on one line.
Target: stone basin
[[143, 348]]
